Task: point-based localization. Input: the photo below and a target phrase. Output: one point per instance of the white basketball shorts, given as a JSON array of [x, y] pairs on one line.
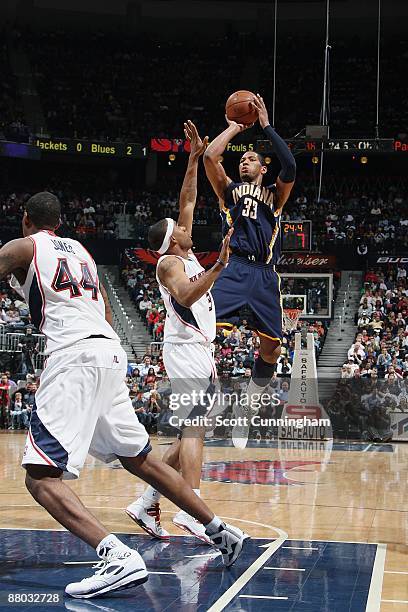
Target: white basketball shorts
[[193, 377], [83, 405]]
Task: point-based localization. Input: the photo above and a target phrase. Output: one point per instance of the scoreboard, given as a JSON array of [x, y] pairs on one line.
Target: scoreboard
[[296, 236], [90, 148], [60, 147], [339, 145]]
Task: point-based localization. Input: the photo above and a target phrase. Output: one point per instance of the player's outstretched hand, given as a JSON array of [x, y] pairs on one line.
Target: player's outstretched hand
[[225, 250], [198, 146], [239, 126], [259, 104]]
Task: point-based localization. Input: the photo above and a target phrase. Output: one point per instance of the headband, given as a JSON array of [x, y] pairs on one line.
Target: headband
[[166, 240]]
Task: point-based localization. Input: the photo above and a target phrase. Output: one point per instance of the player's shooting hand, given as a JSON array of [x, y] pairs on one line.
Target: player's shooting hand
[[225, 250], [260, 106], [198, 146], [240, 127]]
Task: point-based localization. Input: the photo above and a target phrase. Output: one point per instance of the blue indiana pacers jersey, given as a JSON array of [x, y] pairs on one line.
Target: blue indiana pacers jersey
[[250, 209]]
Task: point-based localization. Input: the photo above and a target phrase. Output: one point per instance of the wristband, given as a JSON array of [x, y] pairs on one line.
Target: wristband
[[221, 262]]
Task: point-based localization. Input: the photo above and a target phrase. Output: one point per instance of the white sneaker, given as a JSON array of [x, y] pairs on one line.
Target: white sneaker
[[122, 568], [229, 541], [192, 526], [148, 518], [240, 432]]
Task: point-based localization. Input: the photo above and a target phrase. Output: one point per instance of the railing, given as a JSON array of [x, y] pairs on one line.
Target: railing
[[121, 318], [11, 342]]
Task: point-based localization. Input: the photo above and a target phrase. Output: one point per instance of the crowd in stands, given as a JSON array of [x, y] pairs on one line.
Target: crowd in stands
[[369, 216], [374, 378], [82, 216], [12, 125], [380, 349], [365, 214], [16, 400], [20, 357], [100, 71]]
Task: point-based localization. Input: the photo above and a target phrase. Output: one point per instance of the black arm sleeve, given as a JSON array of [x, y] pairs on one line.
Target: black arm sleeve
[[283, 153]]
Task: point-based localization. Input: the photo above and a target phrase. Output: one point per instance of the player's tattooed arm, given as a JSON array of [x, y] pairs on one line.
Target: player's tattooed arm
[[15, 258], [188, 193], [108, 310], [172, 275]]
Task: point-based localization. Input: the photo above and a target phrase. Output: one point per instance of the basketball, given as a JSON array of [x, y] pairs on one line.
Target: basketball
[[239, 107]]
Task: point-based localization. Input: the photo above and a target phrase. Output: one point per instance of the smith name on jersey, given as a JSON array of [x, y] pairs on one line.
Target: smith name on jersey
[[250, 209]]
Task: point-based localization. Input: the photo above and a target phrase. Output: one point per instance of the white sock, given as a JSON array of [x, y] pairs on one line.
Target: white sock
[[105, 545], [151, 496], [213, 526], [254, 389]]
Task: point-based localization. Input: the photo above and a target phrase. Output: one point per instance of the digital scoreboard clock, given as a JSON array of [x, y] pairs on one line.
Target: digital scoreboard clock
[[296, 236]]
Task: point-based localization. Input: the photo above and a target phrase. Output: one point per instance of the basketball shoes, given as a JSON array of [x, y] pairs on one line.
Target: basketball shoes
[[229, 541], [121, 567], [192, 526], [147, 516]]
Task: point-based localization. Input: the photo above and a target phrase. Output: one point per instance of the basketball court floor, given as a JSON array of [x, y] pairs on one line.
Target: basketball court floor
[[329, 531]]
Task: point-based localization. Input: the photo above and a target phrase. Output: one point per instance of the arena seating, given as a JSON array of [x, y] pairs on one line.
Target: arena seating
[[12, 125], [101, 71], [381, 344], [355, 212]]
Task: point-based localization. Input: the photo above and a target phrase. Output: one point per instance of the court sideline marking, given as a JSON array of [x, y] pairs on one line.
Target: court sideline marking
[[239, 584], [374, 594]]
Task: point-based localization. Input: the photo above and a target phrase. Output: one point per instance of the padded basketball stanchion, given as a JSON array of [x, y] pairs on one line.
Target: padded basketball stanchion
[[303, 401]]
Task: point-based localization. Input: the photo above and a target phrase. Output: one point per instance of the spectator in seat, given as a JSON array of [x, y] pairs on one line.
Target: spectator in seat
[[29, 395], [152, 320], [376, 323], [351, 366], [235, 337], [357, 352], [136, 378], [284, 392], [19, 412], [5, 397], [283, 368], [12, 318], [383, 361], [12, 383], [150, 377], [392, 374], [145, 304], [239, 369], [145, 366]]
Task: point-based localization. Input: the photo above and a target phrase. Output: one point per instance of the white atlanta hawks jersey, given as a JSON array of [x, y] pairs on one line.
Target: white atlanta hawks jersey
[[62, 292], [188, 325]]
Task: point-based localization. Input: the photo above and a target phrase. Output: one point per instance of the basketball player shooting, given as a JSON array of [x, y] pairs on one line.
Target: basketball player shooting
[[189, 330], [83, 403], [254, 211]]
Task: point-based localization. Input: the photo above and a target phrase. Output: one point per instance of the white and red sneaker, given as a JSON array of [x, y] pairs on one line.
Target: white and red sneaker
[[148, 518], [192, 526]]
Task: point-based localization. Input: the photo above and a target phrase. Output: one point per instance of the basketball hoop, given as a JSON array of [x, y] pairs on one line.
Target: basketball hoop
[[291, 318]]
